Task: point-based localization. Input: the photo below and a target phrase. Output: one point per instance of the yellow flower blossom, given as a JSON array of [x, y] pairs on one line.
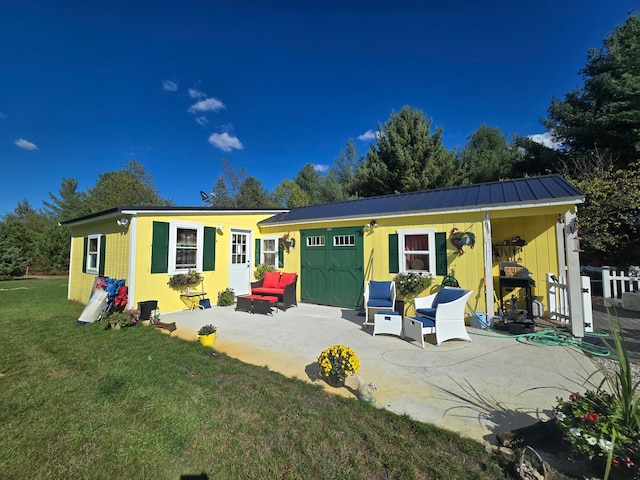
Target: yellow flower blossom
[[338, 360]]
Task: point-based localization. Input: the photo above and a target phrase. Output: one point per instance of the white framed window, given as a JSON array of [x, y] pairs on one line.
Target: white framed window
[[344, 240], [315, 241], [186, 247], [269, 251], [417, 250], [93, 254]]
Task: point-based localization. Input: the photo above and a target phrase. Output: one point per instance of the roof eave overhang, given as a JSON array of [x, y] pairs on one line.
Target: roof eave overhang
[[438, 211], [133, 212]]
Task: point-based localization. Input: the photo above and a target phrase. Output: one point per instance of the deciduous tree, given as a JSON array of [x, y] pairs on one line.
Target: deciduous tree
[[609, 220], [131, 186]]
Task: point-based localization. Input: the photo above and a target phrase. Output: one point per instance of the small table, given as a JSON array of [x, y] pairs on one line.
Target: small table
[[256, 303], [193, 299], [387, 322]]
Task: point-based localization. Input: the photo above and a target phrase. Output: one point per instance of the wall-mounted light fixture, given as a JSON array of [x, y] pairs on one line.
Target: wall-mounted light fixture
[[122, 222], [371, 225], [219, 227], [287, 242]]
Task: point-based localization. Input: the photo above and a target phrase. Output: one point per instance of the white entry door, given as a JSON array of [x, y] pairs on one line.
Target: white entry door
[[240, 262]]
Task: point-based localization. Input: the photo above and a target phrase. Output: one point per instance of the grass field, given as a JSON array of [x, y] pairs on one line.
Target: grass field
[[88, 403]]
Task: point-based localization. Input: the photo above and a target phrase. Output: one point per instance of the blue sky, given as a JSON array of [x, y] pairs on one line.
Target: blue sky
[[85, 86]]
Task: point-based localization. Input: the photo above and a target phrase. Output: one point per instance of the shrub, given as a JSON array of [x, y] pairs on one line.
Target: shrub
[[263, 267], [226, 297], [126, 318]]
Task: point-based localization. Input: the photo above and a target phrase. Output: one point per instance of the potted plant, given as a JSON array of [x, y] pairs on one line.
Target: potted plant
[[182, 280], [336, 362], [207, 335]]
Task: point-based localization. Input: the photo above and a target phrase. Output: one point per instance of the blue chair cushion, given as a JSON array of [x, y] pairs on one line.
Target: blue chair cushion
[[447, 295], [426, 322], [379, 290], [379, 302], [429, 312]]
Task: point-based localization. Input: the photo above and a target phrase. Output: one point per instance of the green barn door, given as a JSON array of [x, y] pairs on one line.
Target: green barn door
[[332, 267]]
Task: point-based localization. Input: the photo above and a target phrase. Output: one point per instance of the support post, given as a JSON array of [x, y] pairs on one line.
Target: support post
[[574, 282], [488, 264]]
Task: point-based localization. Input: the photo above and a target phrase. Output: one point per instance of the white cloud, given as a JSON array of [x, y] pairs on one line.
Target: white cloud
[[169, 86], [321, 168], [368, 135], [545, 139], [25, 144], [208, 105], [202, 120], [225, 142], [194, 93]]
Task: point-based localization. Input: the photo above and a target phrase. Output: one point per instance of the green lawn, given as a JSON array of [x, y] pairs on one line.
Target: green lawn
[[87, 403]]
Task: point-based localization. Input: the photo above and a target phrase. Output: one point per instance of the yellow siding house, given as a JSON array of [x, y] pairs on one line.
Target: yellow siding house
[[336, 248]]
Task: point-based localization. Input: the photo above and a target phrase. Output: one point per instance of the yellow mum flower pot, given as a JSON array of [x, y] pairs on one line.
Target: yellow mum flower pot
[[207, 340]]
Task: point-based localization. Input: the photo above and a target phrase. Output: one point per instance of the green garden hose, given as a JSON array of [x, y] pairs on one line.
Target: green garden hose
[[556, 337], [550, 337]]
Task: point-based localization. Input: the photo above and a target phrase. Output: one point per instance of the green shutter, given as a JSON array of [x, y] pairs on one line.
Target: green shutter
[[394, 265], [84, 255], [441, 253], [257, 250], [103, 247], [209, 254], [280, 257], [160, 248]]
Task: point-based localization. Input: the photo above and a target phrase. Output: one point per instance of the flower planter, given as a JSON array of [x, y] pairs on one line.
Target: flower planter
[[207, 340], [335, 381]]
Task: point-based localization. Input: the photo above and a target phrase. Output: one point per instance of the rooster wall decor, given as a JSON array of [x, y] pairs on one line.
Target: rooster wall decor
[[459, 239]]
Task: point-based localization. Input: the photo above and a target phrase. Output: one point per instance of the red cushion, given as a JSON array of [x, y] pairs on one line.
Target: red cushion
[[271, 280], [286, 279], [270, 298], [267, 291]]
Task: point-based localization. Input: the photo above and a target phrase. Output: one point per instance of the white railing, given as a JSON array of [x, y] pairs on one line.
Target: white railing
[[558, 300], [615, 283]]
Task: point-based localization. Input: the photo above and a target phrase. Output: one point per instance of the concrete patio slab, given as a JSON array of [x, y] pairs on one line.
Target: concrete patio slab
[[478, 389]]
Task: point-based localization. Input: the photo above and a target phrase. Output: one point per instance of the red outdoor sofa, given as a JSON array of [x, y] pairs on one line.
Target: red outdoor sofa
[[281, 285]]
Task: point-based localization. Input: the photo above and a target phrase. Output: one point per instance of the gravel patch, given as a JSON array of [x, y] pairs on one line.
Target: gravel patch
[[609, 367]]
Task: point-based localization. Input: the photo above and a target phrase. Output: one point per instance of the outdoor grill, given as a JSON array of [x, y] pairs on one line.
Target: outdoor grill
[[514, 275]]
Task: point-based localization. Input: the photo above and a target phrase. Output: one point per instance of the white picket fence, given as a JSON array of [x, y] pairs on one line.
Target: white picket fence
[[615, 283], [558, 300]]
